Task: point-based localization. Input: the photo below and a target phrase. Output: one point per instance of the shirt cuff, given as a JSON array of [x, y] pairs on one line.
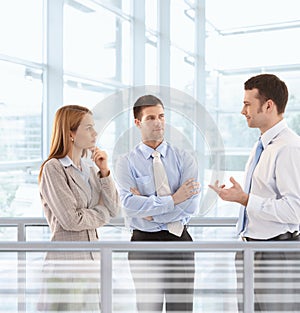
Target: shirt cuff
[[107, 180], [100, 175], [168, 205]]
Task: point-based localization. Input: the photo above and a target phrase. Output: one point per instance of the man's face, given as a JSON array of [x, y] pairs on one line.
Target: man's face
[[253, 110], [152, 123]]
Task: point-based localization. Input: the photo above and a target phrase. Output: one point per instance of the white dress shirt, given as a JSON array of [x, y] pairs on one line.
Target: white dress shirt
[[86, 164], [274, 200]]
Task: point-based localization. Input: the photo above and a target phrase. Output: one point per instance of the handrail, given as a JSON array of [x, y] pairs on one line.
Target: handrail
[[22, 222], [121, 246], [119, 221]]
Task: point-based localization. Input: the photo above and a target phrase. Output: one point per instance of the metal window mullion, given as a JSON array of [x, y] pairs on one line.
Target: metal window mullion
[[164, 43], [200, 81], [53, 75], [138, 42], [200, 76], [20, 61]]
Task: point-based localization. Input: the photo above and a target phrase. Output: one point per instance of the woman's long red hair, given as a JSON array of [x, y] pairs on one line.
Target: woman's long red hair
[[66, 120]]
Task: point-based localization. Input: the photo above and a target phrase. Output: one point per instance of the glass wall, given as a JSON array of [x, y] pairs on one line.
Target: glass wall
[[108, 47], [21, 100], [248, 40]]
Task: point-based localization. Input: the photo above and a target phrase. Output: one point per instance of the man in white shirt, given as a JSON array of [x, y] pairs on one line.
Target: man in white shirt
[[271, 208]]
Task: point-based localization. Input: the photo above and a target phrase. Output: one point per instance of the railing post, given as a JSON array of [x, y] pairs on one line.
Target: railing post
[[248, 275], [106, 280], [21, 269]]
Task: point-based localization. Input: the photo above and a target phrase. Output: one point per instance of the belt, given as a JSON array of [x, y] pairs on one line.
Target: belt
[[285, 236], [185, 227]]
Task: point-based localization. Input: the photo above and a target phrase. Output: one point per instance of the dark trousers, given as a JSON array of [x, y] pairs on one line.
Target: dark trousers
[[160, 275], [276, 281]]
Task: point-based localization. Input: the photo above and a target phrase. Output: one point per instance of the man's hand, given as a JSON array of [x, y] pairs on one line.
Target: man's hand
[[233, 194], [148, 218], [186, 190], [134, 191]]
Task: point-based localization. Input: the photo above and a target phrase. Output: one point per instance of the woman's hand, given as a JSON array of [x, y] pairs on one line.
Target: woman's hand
[[100, 159]]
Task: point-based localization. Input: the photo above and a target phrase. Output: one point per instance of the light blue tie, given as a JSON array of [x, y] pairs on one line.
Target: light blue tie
[[243, 214]]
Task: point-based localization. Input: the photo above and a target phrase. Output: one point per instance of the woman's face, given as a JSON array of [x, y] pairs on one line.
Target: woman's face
[[85, 135]]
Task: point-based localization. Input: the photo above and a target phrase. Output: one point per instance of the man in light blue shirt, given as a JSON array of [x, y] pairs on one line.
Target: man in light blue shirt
[[150, 215]]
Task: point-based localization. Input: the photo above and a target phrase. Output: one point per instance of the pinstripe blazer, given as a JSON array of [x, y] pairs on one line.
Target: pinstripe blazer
[[73, 209]]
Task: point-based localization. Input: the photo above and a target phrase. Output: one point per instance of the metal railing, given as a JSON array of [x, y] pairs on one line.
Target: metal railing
[[22, 222], [107, 248]]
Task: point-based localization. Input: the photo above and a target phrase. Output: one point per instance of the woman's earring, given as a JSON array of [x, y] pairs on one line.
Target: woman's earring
[[72, 139]]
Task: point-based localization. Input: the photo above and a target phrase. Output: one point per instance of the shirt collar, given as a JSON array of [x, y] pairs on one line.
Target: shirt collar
[[271, 133], [147, 151], [66, 161]]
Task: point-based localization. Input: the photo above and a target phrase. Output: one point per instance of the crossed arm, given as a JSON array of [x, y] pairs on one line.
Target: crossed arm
[[138, 204]]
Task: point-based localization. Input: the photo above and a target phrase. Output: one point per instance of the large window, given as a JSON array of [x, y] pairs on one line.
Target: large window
[[21, 24], [248, 40], [110, 47], [182, 35], [21, 99]]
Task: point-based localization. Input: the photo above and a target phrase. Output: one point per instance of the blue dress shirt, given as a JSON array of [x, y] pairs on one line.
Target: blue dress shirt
[[135, 170]]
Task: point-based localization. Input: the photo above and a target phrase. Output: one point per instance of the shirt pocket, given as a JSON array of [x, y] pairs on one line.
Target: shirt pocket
[[145, 185]]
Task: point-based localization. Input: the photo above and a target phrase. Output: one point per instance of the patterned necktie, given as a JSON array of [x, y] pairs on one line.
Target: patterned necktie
[[243, 214], [163, 189]]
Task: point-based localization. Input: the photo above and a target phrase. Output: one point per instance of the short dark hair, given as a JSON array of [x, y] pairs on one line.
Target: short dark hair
[[145, 101], [269, 87]]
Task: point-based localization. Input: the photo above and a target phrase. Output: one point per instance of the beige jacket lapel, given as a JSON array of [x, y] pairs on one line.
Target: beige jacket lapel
[[73, 174]]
